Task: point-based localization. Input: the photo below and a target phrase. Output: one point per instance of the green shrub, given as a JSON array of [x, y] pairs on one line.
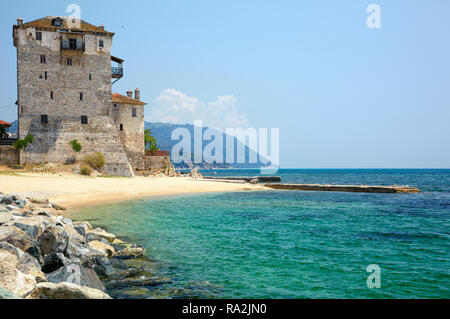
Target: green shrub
[[96, 160], [86, 170], [75, 145]]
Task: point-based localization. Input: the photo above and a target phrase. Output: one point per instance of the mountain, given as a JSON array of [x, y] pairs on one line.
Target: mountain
[[163, 131]]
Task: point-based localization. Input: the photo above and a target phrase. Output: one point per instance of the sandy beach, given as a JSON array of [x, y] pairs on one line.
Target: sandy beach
[[77, 191]]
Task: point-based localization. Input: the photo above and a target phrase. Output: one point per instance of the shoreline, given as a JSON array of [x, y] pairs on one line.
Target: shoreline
[[75, 191]]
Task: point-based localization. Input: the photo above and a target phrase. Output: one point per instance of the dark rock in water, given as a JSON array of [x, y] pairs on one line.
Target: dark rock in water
[[16, 237], [65, 290], [103, 267], [6, 294], [53, 239], [54, 261], [35, 251], [77, 274], [138, 282]]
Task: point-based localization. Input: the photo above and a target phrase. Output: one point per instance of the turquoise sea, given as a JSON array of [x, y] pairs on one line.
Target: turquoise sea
[[293, 244]]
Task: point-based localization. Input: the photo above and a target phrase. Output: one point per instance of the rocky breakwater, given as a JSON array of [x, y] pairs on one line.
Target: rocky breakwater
[[44, 255]]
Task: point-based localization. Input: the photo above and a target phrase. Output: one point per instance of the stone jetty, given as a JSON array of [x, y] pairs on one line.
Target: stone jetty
[[345, 188], [46, 255]]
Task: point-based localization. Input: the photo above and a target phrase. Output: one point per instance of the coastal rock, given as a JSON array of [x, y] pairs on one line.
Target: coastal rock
[[105, 249], [65, 290], [6, 200], [12, 207], [30, 266], [35, 251], [58, 207], [6, 294], [7, 257], [16, 237], [76, 248], [54, 261], [39, 201], [103, 267], [99, 234], [254, 181], [5, 217], [53, 239], [4, 246], [15, 281], [33, 228], [130, 252], [195, 173], [76, 274]]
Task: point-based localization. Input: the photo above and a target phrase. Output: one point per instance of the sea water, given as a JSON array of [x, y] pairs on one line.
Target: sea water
[[294, 244]]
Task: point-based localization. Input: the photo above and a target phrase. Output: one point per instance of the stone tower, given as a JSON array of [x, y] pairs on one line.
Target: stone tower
[[64, 80]]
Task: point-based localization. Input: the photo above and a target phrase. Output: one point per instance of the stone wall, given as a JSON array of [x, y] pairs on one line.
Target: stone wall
[[132, 134], [157, 162], [8, 155]]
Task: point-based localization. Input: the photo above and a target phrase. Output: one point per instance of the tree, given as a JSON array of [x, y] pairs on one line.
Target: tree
[[150, 141], [22, 144]]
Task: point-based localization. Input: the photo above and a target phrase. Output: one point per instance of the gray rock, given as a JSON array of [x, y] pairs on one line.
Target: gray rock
[[76, 249], [30, 266], [77, 274], [5, 217], [16, 237], [81, 229], [11, 249], [15, 281], [65, 290], [7, 200], [6, 294], [67, 221], [53, 239], [54, 261], [35, 251], [103, 266], [12, 207], [30, 227], [131, 252]]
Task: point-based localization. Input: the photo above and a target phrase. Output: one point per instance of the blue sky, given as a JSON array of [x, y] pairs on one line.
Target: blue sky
[[343, 95]]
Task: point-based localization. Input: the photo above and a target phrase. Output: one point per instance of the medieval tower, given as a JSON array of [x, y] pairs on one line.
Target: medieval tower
[[64, 80]]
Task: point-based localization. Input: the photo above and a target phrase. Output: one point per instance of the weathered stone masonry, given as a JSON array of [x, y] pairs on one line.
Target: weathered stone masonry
[[64, 93]]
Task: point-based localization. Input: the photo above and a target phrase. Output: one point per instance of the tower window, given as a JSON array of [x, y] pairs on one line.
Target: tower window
[[43, 60], [90, 76], [121, 127], [134, 112], [101, 44], [84, 119], [45, 75], [81, 96], [44, 119], [72, 44], [51, 95], [69, 61], [39, 36]]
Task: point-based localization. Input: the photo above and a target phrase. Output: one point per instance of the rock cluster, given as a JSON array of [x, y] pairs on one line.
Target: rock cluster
[[45, 255], [195, 173]]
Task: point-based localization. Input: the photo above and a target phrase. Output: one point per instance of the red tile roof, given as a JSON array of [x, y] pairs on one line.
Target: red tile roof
[[3, 123], [118, 98], [46, 24]]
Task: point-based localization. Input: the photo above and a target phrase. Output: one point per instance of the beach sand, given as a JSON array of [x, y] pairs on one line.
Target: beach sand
[[73, 191]]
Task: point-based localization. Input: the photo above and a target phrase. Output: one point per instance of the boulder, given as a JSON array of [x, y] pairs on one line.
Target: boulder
[[7, 257], [5, 217], [195, 173], [98, 234], [254, 181], [12, 207], [131, 252], [73, 233], [103, 266], [6, 200], [4, 246], [53, 239], [77, 274], [65, 290], [58, 207], [6, 294], [105, 249], [16, 281], [16, 237], [39, 201], [54, 261], [33, 228], [76, 248], [30, 266], [35, 251]]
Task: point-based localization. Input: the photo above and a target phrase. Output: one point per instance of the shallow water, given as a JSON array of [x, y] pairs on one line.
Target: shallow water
[[292, 244]]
